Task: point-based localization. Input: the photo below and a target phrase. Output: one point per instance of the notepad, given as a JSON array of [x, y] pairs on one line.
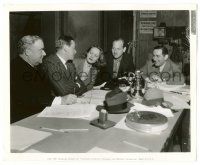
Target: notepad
[[22, 137], [69, 111]]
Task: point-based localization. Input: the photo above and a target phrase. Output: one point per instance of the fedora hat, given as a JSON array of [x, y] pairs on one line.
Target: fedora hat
[[153, 96], [116, 101]]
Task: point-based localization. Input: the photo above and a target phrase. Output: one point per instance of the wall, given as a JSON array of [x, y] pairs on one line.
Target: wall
[[42, 24], [23, 23], [117, 24], [48, 31], [84, 26], [145, 42]]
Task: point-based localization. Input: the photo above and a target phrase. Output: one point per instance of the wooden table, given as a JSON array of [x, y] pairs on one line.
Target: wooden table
[[111, 139]]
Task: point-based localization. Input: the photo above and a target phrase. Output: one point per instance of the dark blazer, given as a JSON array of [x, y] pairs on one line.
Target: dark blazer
[[126, 65], [91, 76], [29, 92], [171, 72], [63, 81]]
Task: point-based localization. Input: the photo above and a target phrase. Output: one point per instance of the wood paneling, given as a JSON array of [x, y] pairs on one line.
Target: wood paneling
[[23, 23], [84, 26], [117, 24], [48, 31], [42, 24]]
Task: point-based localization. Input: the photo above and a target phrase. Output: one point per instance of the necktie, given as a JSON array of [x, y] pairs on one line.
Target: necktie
[[71, 70], [115, 68]]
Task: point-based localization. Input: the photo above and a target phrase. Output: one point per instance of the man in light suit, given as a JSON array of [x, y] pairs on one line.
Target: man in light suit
[[29, 91], [61, 71], [161, 68]]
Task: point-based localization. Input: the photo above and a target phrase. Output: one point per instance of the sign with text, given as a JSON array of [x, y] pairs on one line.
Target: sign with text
[[148, 14], [146, 27]]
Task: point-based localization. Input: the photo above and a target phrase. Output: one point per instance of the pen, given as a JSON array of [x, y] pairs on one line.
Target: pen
[[135, 145], [51, 129], [64, 130], [176, 92]]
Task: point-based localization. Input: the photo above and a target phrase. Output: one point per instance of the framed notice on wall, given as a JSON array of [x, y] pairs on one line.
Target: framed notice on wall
[[146, 27], [148, 14]]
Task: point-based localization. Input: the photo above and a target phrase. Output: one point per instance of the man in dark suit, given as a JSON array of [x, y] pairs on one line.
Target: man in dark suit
[[29, 91], [61, 71], [119, 62], [161, 68]]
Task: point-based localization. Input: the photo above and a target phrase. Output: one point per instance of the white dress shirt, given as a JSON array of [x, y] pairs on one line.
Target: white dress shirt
[[162, 67]]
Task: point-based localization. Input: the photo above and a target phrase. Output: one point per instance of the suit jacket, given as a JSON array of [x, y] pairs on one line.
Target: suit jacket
[[28, 90], [91, 76], [126, 65], [171, 72], [63, 81]]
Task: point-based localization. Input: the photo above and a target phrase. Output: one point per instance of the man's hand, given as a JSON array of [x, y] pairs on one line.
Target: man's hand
[[68, 99], [156, 78]]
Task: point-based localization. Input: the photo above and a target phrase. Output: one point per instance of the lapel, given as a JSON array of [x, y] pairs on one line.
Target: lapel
[[61, 68], [121, 65], [167, 66]]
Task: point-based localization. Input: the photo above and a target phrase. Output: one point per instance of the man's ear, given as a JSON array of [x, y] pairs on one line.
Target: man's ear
[[27, 52], [124, 49], [65, 47], [166, 56]]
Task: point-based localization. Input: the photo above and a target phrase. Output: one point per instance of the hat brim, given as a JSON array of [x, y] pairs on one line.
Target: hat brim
[[115, 111]]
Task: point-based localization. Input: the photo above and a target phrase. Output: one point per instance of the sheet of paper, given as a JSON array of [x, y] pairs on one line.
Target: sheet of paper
[[96, 94], [166, 87], [69, 111], [99, 150], [96, 101], [22, 138], [178, 101]]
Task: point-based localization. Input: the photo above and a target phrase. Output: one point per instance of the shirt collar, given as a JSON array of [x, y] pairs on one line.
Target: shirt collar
[[61, 59], [26, 61], [118, 59], [162, 67]]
